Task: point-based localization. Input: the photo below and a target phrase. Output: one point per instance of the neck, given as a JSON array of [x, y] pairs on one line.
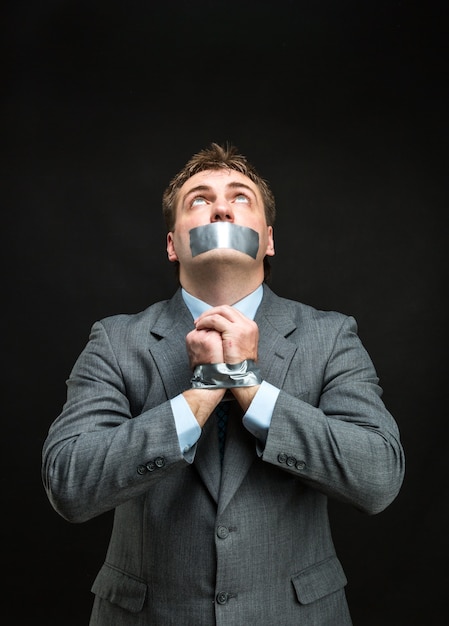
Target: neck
[[225, 286]]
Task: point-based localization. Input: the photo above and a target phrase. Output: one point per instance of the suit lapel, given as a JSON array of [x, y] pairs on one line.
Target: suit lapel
[[275, 351], [169, 353], [207, 457]]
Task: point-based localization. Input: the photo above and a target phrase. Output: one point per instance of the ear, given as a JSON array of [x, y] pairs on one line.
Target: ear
[[270, 244], [171, 252]]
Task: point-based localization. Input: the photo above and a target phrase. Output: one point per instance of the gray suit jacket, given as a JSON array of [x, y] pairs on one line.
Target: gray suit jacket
[[194, 545]]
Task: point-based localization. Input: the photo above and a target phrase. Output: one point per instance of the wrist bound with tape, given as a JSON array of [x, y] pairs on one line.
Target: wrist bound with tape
[[226, 375]]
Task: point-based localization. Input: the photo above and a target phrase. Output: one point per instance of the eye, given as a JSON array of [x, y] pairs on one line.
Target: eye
[[241, 198], [198, 200]]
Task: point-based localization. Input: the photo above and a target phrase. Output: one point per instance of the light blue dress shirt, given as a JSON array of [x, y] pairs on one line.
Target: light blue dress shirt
[[257, 418]]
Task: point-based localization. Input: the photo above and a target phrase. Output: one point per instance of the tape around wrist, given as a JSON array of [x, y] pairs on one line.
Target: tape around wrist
[[226, 375]]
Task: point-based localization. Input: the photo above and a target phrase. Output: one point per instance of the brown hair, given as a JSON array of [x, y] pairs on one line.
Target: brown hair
[[217, 157]]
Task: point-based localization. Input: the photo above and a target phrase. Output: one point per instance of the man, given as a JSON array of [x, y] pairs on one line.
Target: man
[[200, 539]]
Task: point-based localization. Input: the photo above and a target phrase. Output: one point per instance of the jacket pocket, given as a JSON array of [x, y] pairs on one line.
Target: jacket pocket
[[319, 580], [119, 588]]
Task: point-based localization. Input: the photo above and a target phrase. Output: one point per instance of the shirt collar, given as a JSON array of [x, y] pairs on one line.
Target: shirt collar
[[247, 305]]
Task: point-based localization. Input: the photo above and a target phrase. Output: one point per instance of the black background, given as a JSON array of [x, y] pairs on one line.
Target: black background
[[343, 107]]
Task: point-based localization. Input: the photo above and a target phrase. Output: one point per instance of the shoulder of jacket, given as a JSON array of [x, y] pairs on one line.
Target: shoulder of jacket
[[299, 311], [144, 318]]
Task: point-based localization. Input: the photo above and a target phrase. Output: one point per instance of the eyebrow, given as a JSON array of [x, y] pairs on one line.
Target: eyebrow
[[236, 185], [232, 185]]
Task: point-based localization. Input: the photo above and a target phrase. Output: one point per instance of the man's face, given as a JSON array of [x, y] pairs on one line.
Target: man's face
[[218, 196]]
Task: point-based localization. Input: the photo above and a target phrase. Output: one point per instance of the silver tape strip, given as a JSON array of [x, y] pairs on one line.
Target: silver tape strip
[[224, 235], [226, 376]]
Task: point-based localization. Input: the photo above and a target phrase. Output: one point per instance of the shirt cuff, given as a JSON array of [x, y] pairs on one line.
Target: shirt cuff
[[257, 418], [187, 427]]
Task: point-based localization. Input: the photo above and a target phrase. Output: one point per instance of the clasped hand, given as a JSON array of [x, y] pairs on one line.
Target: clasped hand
[[222, 335]]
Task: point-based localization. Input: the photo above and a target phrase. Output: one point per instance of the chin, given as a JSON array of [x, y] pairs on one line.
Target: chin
[[224, 254], [222, 260]]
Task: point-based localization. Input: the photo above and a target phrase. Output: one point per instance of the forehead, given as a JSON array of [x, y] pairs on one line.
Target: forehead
[[218, 180]]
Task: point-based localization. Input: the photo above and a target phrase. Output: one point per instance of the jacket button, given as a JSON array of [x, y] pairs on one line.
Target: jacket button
[[282, 458], [160, 461], [222, 532], [151, 466], [222, 597], [291, 461], [141, 469], [300, 465]]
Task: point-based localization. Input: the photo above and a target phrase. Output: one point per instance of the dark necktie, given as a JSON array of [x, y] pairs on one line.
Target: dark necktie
[[222, 413]]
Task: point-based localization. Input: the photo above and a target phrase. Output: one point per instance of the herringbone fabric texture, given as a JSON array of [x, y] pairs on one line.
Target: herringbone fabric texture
[[222, 413]]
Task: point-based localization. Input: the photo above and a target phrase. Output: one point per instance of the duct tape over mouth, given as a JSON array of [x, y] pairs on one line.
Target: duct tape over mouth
[[224, 235]]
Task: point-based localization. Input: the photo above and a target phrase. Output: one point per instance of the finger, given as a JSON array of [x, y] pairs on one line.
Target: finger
[[225, 311], [213, 322]]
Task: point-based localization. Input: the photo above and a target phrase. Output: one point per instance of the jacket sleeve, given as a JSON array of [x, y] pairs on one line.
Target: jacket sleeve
[[339, 437], [97, 455]]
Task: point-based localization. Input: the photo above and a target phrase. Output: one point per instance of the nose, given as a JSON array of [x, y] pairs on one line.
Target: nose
[[222, 212]]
